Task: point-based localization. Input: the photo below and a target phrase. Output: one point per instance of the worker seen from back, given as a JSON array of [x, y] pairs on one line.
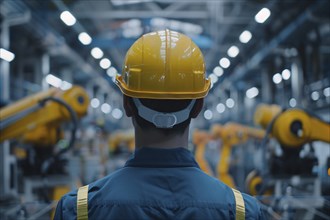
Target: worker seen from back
[[163, 84]]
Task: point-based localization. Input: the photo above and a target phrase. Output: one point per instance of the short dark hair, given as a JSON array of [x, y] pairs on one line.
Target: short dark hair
[[162, 105]]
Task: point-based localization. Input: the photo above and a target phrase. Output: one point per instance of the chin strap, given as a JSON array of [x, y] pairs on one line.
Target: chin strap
[[160, 119]]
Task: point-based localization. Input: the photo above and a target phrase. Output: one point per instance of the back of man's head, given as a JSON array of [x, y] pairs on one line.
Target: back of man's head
[[163, 81]]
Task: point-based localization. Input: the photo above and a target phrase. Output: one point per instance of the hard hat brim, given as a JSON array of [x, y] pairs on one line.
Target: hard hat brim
[[161, 95]]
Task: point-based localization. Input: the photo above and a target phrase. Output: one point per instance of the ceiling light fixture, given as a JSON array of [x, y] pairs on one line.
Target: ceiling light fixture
[[233, 51], [286, 74], [218, 71], [277, 78], [230, 103], [213, 78], [6, 55], [68, 18], [221, 108], [84, 38], [262, 15], [315, 95], [97, 53], [252, 92], [105, 108], [117, 113], [208, 115], [326, 92], [245, 37], [53, 80], [292, 102], [224, 62], [95, 103], [65, 85], [105, 63], [112, 72]]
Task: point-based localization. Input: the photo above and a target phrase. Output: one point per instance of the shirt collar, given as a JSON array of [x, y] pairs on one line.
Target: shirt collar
[[155, 157]]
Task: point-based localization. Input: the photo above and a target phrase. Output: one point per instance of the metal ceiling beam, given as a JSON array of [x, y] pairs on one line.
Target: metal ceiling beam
[[40, 27], [150, 14], [223, 31], [240, 71], [77, 27], [125, 14]]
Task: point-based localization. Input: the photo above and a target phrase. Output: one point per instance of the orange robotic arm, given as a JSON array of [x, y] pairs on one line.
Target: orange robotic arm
[[35, 118]]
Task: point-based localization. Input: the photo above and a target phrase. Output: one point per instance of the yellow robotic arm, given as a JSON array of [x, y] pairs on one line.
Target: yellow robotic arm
[[36, 118], [294, 127], [200, 139], [125, 138], [232, 134]]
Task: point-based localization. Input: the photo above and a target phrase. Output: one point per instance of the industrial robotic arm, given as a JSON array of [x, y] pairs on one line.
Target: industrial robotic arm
[[200, 139], [292, 128], [36, 118], [232, 134]]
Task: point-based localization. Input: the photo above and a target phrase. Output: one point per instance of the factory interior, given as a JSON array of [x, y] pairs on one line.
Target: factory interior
[[265, 124]]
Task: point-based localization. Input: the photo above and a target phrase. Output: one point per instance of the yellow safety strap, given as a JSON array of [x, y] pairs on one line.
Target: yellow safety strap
[[240, 207], [82, 203]]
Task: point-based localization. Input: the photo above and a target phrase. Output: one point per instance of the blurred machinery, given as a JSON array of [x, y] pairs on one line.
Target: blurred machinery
[[232, 134], [32, 163], [289, 172], [200, 139], [121, 146], [229, 135], [292, 128]]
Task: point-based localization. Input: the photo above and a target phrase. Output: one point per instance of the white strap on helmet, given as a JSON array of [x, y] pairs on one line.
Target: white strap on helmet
[[160, 119]]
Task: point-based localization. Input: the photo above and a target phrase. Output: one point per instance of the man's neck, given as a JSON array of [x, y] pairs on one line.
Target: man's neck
[[155, 139]]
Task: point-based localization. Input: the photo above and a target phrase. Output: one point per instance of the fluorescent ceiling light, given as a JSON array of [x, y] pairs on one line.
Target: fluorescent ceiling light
[[105, 108], [65, 85], [68, 18], [218, 71], [230, 103], [97, 53], [57, 82], [292, 102], [112, 72], [326, 92], [6, 55], [132, 32], [208, 115], [277, 78], [213, 78], [105, 63], [286, 74], [84, 38], [224, 62], [53, 80], [252, 92], [245, 36], [117, 113], [132, 23], [95, 103], [262, 15], [315, 95], [233, 51], [221, 108]]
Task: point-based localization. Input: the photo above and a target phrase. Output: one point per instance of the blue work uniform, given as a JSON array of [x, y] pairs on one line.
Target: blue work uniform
[[159, 184]]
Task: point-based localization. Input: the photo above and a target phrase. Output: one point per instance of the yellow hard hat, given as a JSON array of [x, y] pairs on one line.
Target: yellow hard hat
[[164, 65]]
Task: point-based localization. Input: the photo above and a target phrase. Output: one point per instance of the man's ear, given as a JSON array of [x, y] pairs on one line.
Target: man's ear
[[197, 108], [127, 106]]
